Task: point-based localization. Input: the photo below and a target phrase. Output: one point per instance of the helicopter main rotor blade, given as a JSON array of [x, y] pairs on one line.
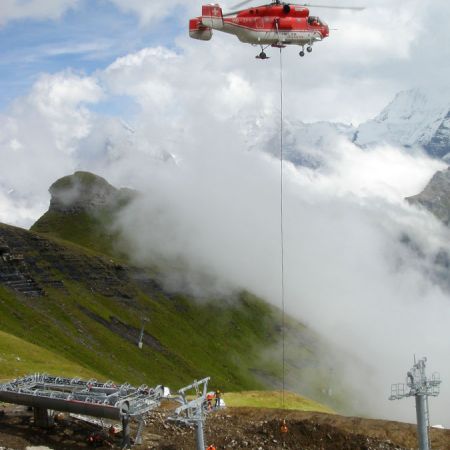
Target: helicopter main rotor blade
[[240, 4], [231, 13], [236, 8], [311, 5], [351, 8]]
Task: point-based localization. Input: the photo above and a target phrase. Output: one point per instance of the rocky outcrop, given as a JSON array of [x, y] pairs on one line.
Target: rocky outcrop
[[14, 272], [84, 191], [436, 196], [439, 145]]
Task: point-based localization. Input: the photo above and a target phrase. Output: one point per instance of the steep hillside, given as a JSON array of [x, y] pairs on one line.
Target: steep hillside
[[86, 303], [93, 309], [19, 357], [88, 310]]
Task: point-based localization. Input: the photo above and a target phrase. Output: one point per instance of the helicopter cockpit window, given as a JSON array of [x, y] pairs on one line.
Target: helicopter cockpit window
[[314, 21]]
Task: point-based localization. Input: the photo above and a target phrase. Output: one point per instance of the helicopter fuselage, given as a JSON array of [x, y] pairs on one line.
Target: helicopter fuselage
[[275, 24]]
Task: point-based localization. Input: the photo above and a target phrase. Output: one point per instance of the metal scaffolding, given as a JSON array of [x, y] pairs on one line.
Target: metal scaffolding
[[419, 386], [193, 412], [89, 398]]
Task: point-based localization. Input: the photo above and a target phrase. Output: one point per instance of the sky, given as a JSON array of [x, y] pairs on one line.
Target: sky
[[67, 64], [118, 88]]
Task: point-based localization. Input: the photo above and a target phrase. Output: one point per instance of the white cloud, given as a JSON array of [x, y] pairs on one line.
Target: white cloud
[[215, 218], [19, 211], [59, 101], [388, 172], [34, 9], [383, 30], [216, 212], [151, 11], [39, 136], [145, 76]]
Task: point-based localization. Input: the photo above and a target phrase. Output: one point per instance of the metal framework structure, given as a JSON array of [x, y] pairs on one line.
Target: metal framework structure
[[193, 412], [89, 398], [419, 386]]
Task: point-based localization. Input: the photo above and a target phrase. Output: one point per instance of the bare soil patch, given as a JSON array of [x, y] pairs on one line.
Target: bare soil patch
[[238, 428]]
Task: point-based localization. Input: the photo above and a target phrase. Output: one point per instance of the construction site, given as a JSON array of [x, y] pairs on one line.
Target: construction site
[[231, 428], [68, 414]]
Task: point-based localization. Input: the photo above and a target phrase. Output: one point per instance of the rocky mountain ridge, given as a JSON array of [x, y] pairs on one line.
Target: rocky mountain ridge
[[84, 191], [83, 209], [413, 119], [436, 196]]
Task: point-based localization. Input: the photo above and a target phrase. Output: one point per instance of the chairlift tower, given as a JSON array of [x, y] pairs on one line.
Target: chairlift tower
[[421, 388], [193, 413]]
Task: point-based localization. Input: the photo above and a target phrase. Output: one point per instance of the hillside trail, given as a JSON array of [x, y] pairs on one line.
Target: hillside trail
[[232, 428]]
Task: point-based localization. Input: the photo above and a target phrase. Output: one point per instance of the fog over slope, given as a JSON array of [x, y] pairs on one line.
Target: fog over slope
[[348, 273], [211, 204]]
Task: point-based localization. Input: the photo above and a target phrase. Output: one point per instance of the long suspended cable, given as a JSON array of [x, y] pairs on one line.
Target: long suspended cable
[[283, 314]]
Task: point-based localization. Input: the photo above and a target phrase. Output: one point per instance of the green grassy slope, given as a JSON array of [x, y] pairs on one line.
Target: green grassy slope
[[185, 339], [88, 230], [18, 357], [272, 399], [95, 302]]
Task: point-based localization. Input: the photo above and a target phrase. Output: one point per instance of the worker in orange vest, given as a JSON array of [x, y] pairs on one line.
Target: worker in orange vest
[[209, 400], [211, 447]]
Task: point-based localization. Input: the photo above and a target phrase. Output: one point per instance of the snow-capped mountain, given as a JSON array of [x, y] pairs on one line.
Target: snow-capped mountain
[[414, 118], [304, 144]]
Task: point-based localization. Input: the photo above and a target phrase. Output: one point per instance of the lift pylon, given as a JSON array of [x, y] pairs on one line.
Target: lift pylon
[[419, 386], [193, 412]]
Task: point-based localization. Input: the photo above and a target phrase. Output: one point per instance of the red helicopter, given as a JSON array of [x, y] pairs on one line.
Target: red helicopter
[[274, 25]]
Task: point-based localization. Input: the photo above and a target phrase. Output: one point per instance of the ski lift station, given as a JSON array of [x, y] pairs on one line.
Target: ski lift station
[[91, 399]]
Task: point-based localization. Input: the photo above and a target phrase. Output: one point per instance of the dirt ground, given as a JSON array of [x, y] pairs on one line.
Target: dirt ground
[[232, 428]]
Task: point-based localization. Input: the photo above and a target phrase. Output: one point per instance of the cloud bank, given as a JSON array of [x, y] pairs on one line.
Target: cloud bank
[[38, 140], [214, 221]]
